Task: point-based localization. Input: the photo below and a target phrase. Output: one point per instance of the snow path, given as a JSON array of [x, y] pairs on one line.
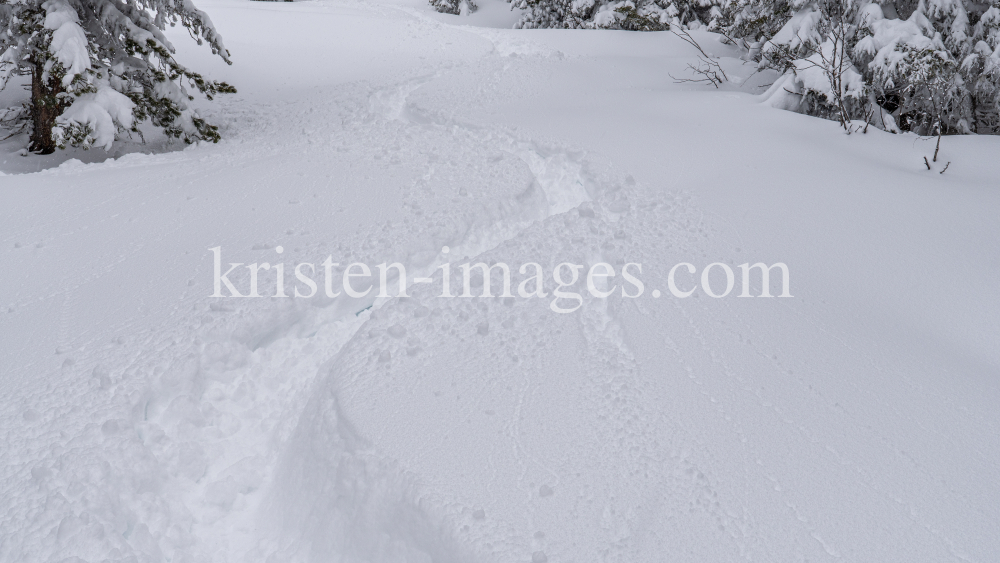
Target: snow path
[[213, 374], [172, 427]]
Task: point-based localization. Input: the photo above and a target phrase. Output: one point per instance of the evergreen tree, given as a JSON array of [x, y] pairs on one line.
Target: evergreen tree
[[929, 66], [99, 68], [633, 15], [456, 7]]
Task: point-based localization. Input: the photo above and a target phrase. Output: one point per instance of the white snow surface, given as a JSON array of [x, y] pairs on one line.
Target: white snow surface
[[142, 420]]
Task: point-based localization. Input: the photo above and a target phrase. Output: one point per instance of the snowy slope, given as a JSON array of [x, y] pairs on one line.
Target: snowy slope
[[143, 420]]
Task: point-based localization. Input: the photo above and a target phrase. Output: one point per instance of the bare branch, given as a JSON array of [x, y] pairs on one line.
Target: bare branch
[[708, 68]]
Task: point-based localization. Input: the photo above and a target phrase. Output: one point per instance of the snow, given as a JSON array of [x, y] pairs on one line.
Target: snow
[[69, 43], [813, 73], [800, 30], [888, 34], [102, 111], [141, 418]]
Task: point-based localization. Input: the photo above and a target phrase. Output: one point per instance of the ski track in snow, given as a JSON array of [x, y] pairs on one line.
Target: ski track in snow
[[229, 382]]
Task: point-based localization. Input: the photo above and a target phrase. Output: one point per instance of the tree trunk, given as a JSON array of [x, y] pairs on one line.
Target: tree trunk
[[45, 108]]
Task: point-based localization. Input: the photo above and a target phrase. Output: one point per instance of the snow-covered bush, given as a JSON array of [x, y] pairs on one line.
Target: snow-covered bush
[[932, 66], [457, 7], [755, 21], [635, 15], [813, 48], [99, 68]]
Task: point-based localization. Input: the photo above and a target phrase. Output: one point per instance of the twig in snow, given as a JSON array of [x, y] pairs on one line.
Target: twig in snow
[[711, 73], [927, 163], [945, 167]]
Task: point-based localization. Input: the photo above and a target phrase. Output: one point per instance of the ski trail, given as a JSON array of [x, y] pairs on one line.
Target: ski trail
[[189, 429], [326, 438], [190, 423], [559, 185]]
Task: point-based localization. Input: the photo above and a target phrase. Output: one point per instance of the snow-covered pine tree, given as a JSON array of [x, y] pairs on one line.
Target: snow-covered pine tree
[[980, 70], [930, 66], [755, 21], [814, 50], [99, 68], [456, 7], [633, 15]]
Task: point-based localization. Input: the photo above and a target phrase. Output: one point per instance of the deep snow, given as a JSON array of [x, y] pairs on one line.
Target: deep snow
[[141, 418]]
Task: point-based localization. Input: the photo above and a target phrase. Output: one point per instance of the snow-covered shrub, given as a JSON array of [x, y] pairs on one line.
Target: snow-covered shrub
[[98, 68], [755, 21], [457, 7], [813, 49], [931, 66], [634, 15]]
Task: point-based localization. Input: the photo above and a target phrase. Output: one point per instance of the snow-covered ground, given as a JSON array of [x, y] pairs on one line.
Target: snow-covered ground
[[142, 420]]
